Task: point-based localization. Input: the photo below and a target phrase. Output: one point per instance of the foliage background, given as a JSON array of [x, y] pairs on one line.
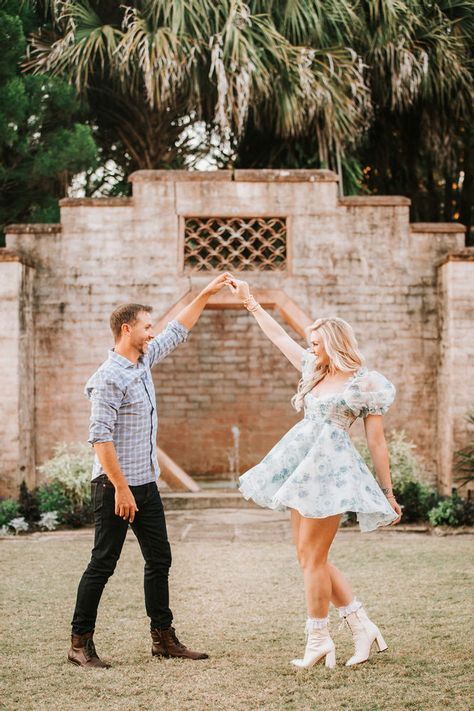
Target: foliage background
[[380, 91]]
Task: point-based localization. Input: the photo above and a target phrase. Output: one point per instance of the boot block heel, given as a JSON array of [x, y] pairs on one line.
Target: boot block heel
[[382, 646], [330, 660]]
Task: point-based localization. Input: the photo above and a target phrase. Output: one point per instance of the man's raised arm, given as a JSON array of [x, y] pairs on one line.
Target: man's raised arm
[[177, 330], [191, 313]]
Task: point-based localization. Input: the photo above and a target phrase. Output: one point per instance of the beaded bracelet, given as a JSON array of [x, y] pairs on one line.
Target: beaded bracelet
[[250, 304]]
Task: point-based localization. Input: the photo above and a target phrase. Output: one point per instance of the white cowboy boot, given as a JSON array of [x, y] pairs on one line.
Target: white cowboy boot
[[319, 644], [364, 634]]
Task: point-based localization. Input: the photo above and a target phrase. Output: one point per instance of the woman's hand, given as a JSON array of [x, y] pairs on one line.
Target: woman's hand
[[396, 507], [239, 288]]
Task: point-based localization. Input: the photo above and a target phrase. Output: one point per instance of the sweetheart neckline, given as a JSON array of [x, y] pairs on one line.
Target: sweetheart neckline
[[339, 392]]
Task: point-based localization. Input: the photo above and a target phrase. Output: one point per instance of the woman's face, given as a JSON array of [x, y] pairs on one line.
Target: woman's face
[[318, 348]]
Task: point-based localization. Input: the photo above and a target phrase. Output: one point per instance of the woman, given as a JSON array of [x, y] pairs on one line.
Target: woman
[[316, 472]]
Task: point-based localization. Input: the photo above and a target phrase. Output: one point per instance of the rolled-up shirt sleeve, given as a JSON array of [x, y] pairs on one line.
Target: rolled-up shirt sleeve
[[166, 341], [106, 398]]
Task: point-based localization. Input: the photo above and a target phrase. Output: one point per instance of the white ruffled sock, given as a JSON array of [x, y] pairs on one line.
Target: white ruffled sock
[[351, 607], [316, 623]]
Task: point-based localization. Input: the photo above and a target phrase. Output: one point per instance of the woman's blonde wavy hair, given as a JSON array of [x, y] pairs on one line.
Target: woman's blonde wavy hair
[[341, 346]]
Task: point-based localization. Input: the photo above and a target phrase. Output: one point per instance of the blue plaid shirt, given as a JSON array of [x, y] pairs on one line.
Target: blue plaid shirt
[[123, 403]]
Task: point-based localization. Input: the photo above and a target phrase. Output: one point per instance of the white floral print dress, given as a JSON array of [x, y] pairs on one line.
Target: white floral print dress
[[315, 467]]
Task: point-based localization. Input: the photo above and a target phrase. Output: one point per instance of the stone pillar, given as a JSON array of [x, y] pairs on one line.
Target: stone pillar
[[16, 373], [456, 361]]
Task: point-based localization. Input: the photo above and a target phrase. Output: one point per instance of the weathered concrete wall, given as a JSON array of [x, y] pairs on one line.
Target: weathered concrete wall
[[358, 258], [16, 373], [455, 386]]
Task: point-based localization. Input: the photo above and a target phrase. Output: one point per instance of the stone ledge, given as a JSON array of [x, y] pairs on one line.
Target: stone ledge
[[11, 255], [269, 175], [437, 227], [264, 175], [374, 200], [180, 176], [463, 255], [96, 202], [38, 228]]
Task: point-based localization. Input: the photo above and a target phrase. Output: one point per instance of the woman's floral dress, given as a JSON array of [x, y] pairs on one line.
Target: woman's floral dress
[[315, 468]]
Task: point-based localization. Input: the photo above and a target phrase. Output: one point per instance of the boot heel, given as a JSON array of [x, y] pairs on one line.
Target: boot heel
[[380, 642], [331, 660]]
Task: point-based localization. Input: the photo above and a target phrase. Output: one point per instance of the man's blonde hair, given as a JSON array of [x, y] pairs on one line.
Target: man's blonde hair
[[341, 346]]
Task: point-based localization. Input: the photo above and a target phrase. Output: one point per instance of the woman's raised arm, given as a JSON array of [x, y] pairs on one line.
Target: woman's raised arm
[[271, 328]]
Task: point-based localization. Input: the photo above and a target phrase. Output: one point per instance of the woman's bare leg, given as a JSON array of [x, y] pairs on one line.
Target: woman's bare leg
[[315, 539], [341, 591]]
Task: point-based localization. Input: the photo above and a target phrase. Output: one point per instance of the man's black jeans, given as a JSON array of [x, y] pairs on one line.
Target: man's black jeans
[[149, 527]]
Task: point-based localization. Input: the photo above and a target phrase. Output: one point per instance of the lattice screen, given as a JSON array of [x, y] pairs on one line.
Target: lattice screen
[[237, 243]]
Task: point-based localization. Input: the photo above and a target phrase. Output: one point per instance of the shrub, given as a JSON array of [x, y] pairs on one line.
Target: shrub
[[9, 509], [414, 496], [18, 524], [71, 467], [452, 511], [67, 490], [465, 459], [51, 497], [28, 504], [49, 520]]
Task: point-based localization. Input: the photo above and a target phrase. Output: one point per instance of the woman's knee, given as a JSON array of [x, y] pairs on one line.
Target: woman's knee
[[311, 556]]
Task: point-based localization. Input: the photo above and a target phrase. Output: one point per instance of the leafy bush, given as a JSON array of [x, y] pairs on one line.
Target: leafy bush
[[9, 509], [67, 489], [18, 524], [452, 511], [28, 504], [49, 520], [51, 497], [465, 459], [414, 496]]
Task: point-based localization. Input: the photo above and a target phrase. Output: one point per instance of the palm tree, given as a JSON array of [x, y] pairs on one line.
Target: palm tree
[[418, 68], [150, 67]]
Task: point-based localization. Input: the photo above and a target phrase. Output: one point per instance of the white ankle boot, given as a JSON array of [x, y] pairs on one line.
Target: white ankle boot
[[364, 634], [319, 645]]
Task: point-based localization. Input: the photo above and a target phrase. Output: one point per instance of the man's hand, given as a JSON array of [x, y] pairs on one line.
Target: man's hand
[[125, 505], [190, 314], [217, 284]]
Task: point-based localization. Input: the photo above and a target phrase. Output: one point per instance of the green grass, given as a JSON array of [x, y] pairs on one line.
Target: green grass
[[243, 603]]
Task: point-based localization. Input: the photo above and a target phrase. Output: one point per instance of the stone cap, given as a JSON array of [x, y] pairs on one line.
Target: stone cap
[[38, 228], [179, 176], [264, 175], [11, 255], [437, 227], [282, 175], [374, 200], [96, 202], [462, 255]]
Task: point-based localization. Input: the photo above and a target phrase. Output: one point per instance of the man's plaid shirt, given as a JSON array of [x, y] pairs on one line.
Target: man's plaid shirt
[[123, 403]]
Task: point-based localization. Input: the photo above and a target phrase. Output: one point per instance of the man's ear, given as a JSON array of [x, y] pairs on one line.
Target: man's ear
[[126, 329]]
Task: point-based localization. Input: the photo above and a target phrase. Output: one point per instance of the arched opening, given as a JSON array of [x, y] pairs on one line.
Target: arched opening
[[224, 398]]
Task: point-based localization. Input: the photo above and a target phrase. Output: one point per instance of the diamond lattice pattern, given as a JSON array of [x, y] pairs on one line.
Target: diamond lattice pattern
[[237, 243]]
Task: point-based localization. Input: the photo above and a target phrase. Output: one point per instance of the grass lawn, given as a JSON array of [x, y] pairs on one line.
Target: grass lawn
[[242, 601]]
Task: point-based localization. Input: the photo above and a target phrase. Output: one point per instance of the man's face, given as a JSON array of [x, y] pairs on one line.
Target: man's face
[[141, 333]]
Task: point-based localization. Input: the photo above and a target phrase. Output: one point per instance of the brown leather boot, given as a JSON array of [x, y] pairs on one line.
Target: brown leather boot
[[166, 644], [82, 652]]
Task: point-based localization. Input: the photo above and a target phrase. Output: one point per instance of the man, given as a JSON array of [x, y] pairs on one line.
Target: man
[[123, 429]]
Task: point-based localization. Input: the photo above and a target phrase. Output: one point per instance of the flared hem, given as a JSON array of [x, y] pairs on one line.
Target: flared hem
[[381, 519]]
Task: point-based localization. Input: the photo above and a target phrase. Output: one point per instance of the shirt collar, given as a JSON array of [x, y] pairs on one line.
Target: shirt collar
[[121, 360]]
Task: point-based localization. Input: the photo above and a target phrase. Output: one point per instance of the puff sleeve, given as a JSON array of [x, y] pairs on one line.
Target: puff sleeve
[[370, 393]]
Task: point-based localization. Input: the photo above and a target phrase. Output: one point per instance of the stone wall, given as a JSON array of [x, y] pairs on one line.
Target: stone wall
[[455, 387], [358, 258], [17, 371]]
